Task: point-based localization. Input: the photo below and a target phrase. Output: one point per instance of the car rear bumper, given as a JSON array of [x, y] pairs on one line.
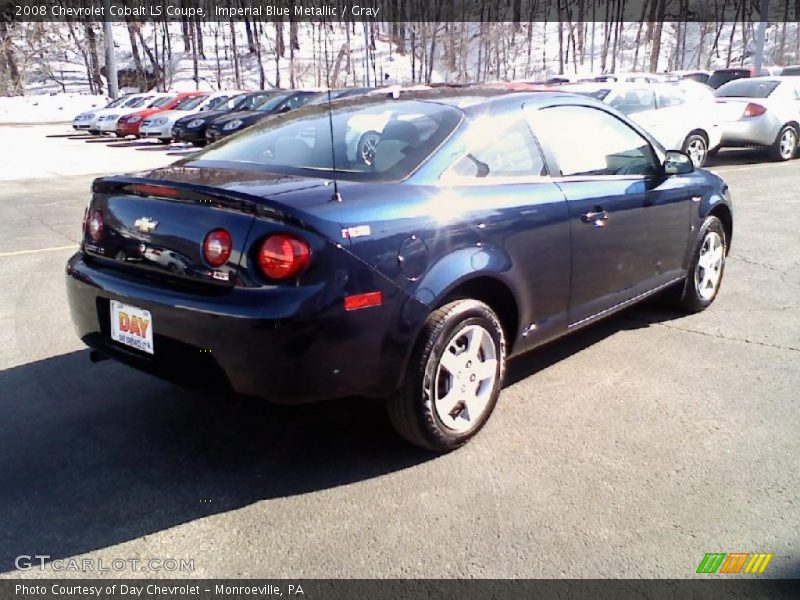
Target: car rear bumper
[[251, 341], [756, 131]]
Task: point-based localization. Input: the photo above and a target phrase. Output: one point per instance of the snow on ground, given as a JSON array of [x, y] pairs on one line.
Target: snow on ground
[[57, 108], [28, 152]]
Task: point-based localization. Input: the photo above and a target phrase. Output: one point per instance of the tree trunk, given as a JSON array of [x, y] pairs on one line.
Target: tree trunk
[[91, 37], [137, 61], [657, 37], [82, 50], [236, 74]]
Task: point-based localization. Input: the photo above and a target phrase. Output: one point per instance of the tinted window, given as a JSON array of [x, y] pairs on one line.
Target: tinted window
[[632, 101], [513, 153], [589, 141], [791, 71], [747, 88], [117, 102], [216, 102], [402, 133]]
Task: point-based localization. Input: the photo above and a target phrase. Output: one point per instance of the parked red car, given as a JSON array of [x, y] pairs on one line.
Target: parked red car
[[129, 124]]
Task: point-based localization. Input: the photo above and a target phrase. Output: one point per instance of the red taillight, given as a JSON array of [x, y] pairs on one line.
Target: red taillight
[[753, 110], [217, 247], [283, 256], [96, 225]]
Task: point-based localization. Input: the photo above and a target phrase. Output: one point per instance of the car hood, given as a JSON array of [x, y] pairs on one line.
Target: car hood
[[208, 115], [242, 115], [174, 115]]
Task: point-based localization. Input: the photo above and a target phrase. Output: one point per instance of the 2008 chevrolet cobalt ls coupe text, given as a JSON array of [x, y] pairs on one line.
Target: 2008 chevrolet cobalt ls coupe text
[[282, 264]]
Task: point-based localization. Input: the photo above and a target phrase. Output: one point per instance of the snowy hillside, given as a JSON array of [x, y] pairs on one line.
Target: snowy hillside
[[58, 57]]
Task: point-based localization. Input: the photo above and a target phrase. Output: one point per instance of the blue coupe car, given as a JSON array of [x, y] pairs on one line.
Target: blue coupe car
[[284, 263]]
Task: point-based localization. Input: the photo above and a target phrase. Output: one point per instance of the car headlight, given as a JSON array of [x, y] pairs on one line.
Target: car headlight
[[195, 123], [158, 121], [235, 124]]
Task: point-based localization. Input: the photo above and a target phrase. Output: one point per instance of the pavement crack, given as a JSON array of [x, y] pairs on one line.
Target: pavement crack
[[722, 336]]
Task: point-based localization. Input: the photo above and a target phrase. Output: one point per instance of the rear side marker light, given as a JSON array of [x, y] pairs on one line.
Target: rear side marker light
[[363, 300], [217, 247], [753, 110], [96, 225], [283, 256]]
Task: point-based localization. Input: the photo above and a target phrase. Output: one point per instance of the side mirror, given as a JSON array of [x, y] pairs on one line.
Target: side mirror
[[285, 109], [677, 163]]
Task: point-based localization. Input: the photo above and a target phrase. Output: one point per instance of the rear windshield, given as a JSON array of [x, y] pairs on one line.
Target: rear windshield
[[791, 71], [747, 88], [373, 140], [719, 78], [189, 103]]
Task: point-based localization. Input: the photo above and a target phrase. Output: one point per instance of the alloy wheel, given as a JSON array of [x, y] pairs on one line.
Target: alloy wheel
[[788, 143], [708, 271], [697, 151], [465, 378]]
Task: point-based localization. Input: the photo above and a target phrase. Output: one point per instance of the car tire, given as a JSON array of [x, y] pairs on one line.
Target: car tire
[[696, 146], [163, 141], [365, 150], [706, 267], [467, 337], [94, 132], [785, 145]]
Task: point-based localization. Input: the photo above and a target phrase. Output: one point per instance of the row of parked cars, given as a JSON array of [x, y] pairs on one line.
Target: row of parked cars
[[195, 117], [685, 115]]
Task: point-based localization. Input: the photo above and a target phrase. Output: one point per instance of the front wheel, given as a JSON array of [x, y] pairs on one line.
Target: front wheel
[[706, 267], [785, 144], [455, 376], [696, 147]]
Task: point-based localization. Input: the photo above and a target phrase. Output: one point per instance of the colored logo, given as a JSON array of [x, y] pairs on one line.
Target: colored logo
[[737, 562]]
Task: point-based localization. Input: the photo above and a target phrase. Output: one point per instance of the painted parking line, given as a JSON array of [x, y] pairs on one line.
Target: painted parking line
[[39, 250]]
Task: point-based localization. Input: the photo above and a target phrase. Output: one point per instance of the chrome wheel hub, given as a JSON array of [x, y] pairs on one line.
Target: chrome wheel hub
[[709, 266], [465, 378], [697, 151], [788, 143]]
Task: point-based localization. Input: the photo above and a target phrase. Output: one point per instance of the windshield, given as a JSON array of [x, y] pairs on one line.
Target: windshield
[[190, 102], [747, 88], [139, 102], [373, 140], [251, 102], [272, 103], [629, 102], [134, 101], [117, 102], [163, 101]]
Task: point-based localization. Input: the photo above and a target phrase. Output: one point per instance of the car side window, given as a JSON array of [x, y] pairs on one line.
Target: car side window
[[667, 99], [513, 153], [590, 141]]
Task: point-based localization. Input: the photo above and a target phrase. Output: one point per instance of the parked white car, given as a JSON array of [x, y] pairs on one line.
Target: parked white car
[[762, 112], [107, 122], [679, 117], [159, 126], [85, 121]]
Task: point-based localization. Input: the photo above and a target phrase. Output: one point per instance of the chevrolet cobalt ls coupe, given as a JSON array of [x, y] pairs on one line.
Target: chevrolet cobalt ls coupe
[[486, 224]]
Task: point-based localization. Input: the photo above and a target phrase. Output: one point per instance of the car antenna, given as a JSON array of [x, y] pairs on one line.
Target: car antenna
[[337, 197]]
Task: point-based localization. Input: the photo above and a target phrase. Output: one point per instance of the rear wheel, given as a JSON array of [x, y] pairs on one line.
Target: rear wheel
[[785, 144], [455, 376], [696, 146], [706, 267]]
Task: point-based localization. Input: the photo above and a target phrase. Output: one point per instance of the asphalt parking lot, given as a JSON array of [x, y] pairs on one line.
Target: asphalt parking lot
[[630, 449]]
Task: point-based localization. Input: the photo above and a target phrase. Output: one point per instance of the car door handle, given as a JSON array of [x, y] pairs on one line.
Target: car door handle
[[597, 217]]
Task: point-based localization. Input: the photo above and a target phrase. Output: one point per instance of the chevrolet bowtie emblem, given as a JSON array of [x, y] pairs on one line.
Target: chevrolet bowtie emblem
[[145, 225]]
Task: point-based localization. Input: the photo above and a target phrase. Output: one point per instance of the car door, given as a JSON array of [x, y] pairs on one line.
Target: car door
[[629, 223]]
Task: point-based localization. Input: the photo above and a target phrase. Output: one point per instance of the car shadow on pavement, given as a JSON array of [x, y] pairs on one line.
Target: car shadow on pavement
[[650, 312], [738, 156], [98, 454]]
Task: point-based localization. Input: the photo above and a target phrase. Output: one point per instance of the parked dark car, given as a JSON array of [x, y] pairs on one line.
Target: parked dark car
[[486, 225], [192, 129], [722, 76], [790, 71], [280, 103]]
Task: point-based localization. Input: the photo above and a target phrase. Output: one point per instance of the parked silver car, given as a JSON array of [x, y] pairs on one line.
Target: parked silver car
[[762, 112]]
